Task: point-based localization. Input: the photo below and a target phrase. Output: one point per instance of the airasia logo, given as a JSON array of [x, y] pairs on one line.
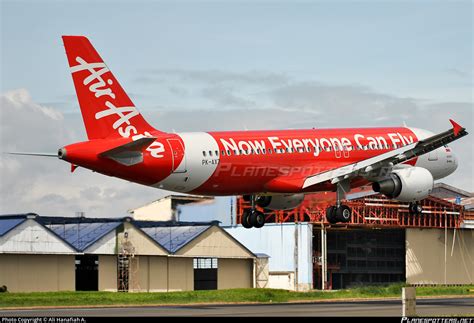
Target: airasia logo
[[100, 87]]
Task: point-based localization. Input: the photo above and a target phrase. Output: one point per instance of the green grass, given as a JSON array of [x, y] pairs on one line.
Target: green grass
[[219, 296]]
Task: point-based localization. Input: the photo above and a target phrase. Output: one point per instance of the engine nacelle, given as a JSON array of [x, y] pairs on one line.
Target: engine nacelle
[[406, 184], [280, 202]]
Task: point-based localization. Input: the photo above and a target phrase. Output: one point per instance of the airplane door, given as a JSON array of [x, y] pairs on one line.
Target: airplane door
[[337, 151], [178, 156]]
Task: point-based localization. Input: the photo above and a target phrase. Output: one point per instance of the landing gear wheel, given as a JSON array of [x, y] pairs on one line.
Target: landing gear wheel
[[415, 208], [257, 219], [331, 214], [343, 213], [246, 219]]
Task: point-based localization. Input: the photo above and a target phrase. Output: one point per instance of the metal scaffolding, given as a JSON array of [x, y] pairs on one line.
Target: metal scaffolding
[[127, 267], [371, 211]]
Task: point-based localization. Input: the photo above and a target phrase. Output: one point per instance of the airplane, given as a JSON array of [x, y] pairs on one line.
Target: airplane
[[273, 169]]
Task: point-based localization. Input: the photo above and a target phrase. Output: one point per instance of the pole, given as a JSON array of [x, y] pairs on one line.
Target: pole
[[295, 254], [445, 246], [323, 258], [408, 301]]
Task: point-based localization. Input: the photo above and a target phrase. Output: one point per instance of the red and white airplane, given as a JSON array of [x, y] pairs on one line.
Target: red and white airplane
[[272, 168]]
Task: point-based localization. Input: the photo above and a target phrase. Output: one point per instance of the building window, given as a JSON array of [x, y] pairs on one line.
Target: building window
[[205, 263]]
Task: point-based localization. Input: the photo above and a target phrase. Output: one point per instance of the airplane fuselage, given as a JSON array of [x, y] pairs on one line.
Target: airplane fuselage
[[247, 162]]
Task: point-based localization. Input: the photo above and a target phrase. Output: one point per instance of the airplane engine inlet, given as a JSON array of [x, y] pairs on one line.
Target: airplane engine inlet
[[406, 184]]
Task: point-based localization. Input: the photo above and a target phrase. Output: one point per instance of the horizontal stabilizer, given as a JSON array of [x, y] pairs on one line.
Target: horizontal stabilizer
[[130, 153]]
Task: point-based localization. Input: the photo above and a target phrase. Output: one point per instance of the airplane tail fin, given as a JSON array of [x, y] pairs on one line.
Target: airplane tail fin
[[106, 109]]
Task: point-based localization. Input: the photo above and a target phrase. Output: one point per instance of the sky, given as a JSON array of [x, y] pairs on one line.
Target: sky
[[233, 65]]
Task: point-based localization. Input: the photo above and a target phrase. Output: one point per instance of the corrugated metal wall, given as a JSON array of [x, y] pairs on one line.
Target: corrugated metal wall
[[37, 273], [289, 246], [437, 256]]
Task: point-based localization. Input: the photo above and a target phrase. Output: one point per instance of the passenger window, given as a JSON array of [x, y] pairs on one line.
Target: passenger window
[[258, 151], [217, 152], [210, 153], [222, 152], [269, 151], [228, 152], [235, 152], [204, 153]]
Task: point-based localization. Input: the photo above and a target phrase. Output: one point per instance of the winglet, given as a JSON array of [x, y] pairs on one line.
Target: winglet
[[456, 127]]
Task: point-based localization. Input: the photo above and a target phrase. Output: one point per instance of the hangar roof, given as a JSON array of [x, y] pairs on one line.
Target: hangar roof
[[83, 235], [6, 225], [173, 238]]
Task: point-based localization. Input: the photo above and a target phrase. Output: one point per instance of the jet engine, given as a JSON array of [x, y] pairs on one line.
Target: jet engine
[[406, 184], [280, 202]]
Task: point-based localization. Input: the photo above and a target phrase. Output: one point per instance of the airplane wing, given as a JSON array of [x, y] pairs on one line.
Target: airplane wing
[[388, 159]]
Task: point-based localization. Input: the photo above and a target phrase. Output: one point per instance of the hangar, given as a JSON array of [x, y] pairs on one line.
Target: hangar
[[119, 254]]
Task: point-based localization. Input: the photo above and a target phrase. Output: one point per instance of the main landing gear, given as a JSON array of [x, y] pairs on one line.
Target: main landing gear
[[339, 212], [252, 217], [415, 208]]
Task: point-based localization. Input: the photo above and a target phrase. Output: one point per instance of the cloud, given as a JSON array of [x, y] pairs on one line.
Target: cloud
[[45, 185], [212, 77], [290, 104]]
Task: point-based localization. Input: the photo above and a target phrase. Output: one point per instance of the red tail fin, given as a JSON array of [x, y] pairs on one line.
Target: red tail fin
[[106, 108]]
